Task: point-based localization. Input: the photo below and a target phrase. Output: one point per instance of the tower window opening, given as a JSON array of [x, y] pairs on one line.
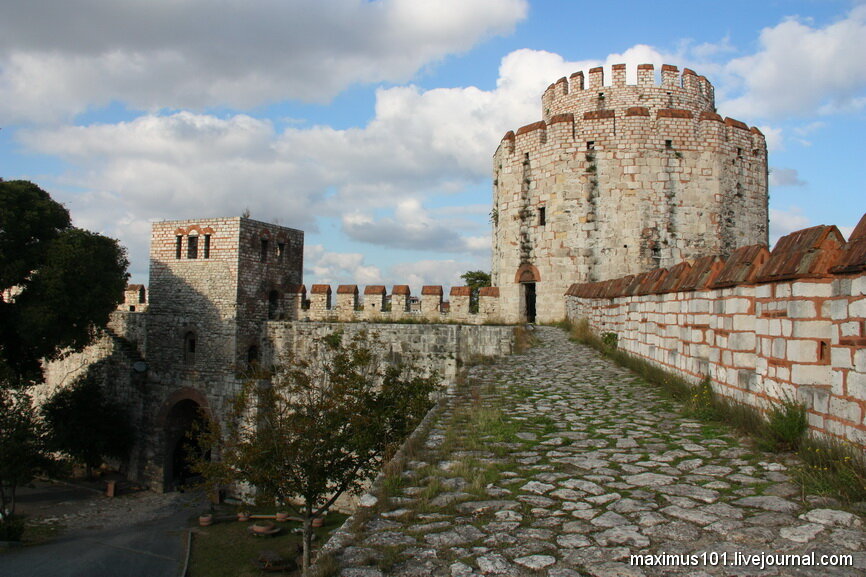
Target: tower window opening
[[590, 145], [281, 251], [669, 144], [273, 305], [542, 216], [192, 247], [252, 356], [206, 252], [264, 254], [189, 346], [739, 152], [525, 156], [178, 241]]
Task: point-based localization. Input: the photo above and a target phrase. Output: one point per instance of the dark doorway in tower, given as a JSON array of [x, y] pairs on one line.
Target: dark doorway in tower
[[184, 421], [527, 276], [529, 301]]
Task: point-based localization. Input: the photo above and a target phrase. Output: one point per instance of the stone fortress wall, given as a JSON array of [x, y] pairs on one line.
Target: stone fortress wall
[[615, 180], [226, 294], [765, 326], [618, 179]]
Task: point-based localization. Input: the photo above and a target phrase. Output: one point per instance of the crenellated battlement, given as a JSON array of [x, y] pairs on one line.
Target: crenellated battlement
[[582, 92], [348, 303]]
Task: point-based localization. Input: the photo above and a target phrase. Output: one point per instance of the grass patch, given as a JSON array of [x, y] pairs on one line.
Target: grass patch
[[833, 468], [228, 549]]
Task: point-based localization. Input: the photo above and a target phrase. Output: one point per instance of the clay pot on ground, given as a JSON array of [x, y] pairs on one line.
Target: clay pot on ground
[[317, 521], [243, 516], [205, 520], [264, 528], [282, 517]]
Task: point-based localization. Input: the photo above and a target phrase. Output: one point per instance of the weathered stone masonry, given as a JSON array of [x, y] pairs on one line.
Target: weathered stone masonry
[[764, 326], [619, 179], [226, 293]]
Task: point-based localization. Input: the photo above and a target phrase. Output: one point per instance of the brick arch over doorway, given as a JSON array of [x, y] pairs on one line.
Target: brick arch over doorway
[[527, 273]]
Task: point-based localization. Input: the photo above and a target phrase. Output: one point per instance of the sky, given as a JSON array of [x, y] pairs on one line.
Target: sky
[[371, 125]]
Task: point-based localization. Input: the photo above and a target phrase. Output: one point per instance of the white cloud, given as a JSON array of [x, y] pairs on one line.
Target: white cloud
[[420, 143], [60, 58], [785, 177], [801, 69], [773, 137], [338, 268], [412, 228], [433, 272], [784, 222]]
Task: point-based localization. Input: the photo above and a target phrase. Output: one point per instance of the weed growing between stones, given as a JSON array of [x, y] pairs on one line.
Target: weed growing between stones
[[832, 467], [787, 424]]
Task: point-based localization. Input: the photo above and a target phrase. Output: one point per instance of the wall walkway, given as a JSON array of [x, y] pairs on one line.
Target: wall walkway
[[559, 463]]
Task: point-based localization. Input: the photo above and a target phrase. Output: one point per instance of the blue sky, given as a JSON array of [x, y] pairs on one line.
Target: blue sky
[[371, 125]]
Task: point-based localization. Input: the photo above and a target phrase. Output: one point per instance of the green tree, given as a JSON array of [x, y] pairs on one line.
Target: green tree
[[21, 454], [475, 279], [58, 283], [320, 427], [87, 426]]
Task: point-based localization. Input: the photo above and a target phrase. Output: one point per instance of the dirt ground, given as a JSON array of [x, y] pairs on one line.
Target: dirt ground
[[80, 504]]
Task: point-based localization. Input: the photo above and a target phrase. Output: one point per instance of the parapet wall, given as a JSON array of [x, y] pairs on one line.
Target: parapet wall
[[441, 348], [374, 304], [764, 326]]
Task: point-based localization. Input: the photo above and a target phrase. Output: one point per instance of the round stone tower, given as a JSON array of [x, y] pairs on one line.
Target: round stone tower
[[618, 179]]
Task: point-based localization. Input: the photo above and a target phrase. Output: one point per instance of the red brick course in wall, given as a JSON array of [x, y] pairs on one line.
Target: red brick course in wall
[[765, 326]]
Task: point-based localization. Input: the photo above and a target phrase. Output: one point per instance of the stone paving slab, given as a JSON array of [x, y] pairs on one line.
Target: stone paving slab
[[557, 462]]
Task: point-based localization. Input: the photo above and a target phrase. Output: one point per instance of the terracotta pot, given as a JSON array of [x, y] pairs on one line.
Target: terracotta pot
[[243, 516], [281, 517], [263, 527], [317, 522], [205, 520]]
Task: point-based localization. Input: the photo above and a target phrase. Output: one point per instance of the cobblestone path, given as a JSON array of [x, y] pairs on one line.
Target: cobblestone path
[[557, 462]]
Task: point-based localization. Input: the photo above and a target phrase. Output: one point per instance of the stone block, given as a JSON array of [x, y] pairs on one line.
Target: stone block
[[744, 341], [744, 322], [802, 309], [846, 410], [841, 358], [810, 374], [860, 360], [857, 308], [812, 289], [802, 351], [856, 385]]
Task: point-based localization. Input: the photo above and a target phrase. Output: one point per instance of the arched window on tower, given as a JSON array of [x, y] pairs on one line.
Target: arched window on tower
[[189, 346]]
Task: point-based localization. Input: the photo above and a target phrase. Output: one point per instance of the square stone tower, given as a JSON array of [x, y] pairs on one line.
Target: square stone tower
[[213, 283]]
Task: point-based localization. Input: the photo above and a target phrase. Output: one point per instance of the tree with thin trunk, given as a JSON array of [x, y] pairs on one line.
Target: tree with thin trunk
[[322, 425], [21, 453]]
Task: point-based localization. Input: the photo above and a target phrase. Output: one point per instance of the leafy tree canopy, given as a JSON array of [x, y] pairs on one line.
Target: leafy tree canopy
[[57, 282], [475, 279], [322, 426], [83, 423]]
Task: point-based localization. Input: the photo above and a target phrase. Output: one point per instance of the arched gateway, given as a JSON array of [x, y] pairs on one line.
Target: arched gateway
[[184, 413]]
